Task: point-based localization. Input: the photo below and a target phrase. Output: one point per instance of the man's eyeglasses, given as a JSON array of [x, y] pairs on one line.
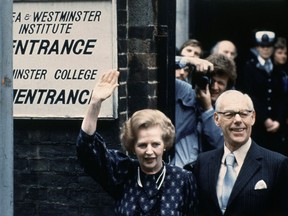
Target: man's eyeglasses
[[231, 114]]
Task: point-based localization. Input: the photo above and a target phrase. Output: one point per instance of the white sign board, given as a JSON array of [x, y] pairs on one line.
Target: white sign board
[[60, 50]]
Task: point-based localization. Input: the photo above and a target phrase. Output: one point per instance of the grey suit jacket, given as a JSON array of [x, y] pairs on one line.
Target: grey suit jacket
[[259, 164]]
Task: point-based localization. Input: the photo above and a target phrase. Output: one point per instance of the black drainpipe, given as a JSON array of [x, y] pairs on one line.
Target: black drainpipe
[[165, 40]]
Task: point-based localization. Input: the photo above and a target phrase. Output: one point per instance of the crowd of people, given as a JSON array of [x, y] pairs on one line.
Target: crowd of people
[[262, 74], [226, 154]]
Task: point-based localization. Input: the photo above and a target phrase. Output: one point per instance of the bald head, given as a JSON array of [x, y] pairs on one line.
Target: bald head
[[225, 47], [233, 100]]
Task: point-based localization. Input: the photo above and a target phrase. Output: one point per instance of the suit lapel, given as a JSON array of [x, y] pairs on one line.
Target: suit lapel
[[250, 166], [213, 172]]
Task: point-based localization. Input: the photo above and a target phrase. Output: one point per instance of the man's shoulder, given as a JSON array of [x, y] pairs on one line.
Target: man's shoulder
[[268, 154], [184, 92], [182, 84], [210, 154]]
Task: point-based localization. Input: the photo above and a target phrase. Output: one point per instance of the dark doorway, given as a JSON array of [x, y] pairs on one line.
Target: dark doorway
[[235, 20]]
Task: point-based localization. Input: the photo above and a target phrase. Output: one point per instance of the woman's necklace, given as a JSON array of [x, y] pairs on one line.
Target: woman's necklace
[[160, 178]]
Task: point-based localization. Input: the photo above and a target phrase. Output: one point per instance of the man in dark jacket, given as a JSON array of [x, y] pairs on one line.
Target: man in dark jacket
[[261, 175], [263, 83]]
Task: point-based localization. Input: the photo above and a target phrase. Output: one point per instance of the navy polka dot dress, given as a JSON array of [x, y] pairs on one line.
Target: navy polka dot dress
[[119, 175]]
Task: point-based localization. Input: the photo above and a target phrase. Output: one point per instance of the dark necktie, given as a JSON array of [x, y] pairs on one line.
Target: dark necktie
[[229, 180], [267, 66]]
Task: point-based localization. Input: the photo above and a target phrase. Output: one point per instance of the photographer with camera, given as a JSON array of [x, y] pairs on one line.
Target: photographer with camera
[[190, 48], [195, 127]]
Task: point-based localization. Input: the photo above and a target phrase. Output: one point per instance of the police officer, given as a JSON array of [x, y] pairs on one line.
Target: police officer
[[263, 83]]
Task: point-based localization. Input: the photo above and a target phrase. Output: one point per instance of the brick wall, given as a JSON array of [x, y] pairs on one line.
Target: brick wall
[[47, 177]]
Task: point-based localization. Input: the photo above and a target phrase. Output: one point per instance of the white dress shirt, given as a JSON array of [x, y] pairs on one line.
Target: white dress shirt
[[240, 155], [263, 61]]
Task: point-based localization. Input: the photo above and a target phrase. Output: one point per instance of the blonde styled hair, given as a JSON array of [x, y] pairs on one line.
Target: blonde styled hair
[[146, 118]]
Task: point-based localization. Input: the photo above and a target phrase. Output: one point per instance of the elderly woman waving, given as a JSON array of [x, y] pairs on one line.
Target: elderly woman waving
[[142, 186]]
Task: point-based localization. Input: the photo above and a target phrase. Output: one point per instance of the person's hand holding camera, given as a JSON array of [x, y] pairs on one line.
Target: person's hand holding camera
[[204, 96], [201, 79]]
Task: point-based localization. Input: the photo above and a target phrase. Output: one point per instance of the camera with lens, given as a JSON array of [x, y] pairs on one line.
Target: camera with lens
[[201, 79], [197, 78]]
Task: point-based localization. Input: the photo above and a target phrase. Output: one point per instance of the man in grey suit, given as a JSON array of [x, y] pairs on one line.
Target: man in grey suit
[[261, 185]]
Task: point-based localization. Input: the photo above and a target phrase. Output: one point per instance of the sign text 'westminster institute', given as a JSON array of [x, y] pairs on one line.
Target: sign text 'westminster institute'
[[60, 50]]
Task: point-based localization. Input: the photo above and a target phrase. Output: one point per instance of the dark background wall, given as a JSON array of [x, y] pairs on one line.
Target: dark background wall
[[48, 180]]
